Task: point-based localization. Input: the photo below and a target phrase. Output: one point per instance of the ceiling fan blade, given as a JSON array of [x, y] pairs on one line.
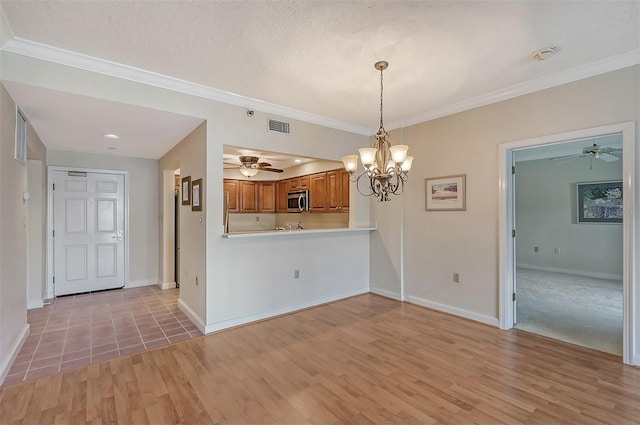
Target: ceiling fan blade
[[230, 163], [273, 170], [570, 158], [263, 164], [608, 157], [565, 157]]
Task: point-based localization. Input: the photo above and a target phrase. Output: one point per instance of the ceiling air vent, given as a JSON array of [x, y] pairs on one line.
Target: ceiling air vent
[[279, 126]]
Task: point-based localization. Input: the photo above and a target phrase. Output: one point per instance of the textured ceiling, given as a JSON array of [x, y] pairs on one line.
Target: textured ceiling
[[317, 56]]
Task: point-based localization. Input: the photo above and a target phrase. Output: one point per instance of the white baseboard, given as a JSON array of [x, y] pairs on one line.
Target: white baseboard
[[197, 320], [597, 275], [493, 321], [218, 326], [386, 293], [31, 304], [167, 285], [139, 283], [6, 364]]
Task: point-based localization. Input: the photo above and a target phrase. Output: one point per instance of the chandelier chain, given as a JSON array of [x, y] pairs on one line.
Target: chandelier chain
[[381, 91]]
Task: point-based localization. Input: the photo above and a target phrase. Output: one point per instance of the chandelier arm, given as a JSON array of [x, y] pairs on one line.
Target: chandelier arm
[[357, 181]]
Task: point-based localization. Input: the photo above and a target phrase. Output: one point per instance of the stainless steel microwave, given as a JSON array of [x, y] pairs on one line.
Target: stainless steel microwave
[[298, 201]]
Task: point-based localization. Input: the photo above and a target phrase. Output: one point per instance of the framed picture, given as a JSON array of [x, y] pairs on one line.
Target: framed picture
[[446, 193], [186, 190], [196, 195], [600, 202]]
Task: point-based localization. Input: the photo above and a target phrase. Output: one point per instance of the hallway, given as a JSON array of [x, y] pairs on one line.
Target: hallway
[[78, 330]]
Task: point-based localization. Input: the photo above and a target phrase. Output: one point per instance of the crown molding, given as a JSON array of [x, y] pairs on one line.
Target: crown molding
[[77, 60], [68, 58], [581, 72]]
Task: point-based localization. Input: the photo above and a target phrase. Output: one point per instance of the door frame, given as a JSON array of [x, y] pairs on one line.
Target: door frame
[[50, 247], [631, 226]]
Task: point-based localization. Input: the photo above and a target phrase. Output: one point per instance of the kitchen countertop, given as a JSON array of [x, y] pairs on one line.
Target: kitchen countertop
[[270, 233]]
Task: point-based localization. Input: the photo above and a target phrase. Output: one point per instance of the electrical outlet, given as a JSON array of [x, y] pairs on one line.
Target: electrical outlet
[[296, 274], [536, 249], [257, 218], [556, 250], [456, 277]]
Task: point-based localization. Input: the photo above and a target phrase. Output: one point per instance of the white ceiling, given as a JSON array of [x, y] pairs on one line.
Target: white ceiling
[[317, 56]]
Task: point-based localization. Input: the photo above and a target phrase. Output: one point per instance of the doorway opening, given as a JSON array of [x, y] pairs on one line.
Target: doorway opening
[[568, 245], [507, 229]]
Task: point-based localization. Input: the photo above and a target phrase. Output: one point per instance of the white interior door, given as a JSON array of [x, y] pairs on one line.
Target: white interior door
[[88, 231]]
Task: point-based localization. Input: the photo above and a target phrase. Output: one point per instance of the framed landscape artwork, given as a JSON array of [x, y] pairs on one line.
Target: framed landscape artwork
[[447, 193], [196, 195], [600, 202], [186, 190]]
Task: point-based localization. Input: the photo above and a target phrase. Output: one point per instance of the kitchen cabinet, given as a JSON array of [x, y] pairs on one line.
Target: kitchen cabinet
[[299, 183], [318, 192], [243, 196], [282, 190], [337, 191], [231, 186], [266, 197], [248, 196]]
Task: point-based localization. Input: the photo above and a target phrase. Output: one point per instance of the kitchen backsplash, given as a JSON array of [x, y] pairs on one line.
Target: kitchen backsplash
[[259, 222], [311, 220]]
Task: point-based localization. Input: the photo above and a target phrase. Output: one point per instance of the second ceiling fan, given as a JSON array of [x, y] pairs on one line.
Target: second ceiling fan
[[592, 152], [250, 166]]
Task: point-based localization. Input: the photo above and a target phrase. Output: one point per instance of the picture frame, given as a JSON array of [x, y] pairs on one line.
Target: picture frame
[[600, 202], [186, 190], [446, 193], [196, 195]]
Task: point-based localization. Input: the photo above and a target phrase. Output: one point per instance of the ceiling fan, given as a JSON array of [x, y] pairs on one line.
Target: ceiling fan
[[250, 166], [604, 153]]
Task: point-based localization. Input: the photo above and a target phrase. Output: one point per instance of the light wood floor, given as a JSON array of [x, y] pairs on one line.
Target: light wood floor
[[362, 360]]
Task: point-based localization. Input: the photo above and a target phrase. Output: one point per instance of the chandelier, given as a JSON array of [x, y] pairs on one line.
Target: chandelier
[[385, 166]]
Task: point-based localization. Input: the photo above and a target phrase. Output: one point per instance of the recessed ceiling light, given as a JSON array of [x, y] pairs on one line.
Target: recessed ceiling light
[[297, 160], [544, 54], [111, 136]]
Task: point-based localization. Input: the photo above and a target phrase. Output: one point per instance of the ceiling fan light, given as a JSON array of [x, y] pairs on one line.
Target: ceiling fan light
[[249, 172]]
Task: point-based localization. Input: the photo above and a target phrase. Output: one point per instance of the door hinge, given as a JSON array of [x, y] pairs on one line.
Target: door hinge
[[54, 233], [513, 169], [514, 296], [54, 279], [54, 186], [513, 233]]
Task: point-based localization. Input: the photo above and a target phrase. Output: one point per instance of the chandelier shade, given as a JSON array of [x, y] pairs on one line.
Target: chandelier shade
[[386, 166]]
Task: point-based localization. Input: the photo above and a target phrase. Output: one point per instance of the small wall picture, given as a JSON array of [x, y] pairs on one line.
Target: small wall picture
[[196, 195], [446, 193], [600, 202], [186, 190]]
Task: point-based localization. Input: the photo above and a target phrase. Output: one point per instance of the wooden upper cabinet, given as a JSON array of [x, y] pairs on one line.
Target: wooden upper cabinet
[[231, 186], [299, 183], [267, 197], [282, 191], [337, 191], [318, 192], [346, 184], [248, 196]]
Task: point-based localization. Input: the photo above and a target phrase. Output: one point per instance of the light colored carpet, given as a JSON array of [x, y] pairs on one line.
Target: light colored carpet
[[576, 309]]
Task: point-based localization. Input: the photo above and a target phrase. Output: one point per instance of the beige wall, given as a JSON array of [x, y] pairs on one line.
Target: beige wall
[[546, 217], [13, 228], [143, 207], [190, 157], [437, 244]]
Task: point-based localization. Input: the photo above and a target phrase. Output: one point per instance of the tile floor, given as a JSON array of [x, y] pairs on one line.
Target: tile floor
[[77, 330]]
